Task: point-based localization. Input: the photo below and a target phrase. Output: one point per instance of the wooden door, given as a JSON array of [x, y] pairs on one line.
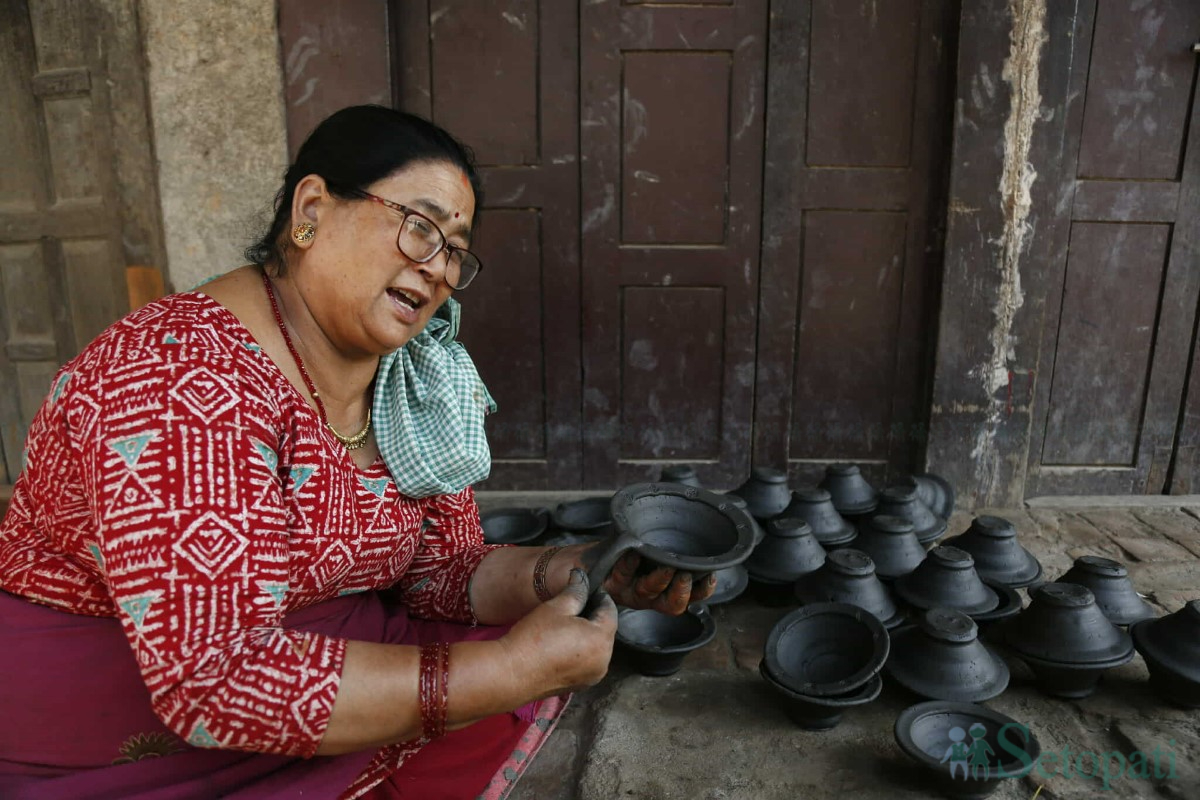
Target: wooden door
[[502, 75], [671, 102], [857, 157], [1121, 311], [70, 81]]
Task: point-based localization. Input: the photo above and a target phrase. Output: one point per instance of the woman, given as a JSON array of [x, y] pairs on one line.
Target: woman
[[253, 504]]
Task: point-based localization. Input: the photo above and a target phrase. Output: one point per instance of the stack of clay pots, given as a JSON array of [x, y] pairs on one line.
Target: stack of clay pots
[[823, 659]]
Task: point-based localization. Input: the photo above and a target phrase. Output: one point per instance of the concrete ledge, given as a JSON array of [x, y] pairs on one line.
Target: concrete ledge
[[1115, 501]]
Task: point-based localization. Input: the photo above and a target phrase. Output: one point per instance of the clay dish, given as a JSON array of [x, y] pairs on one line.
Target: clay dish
[[1110, 584], [826, 649], [851, 493], [766, 493], [942, 658], [1171, 647], [903, 502], [514, 525], [592, 515], [821, 713], [848, 576], [815, 506], [992, 542], [658, 643]]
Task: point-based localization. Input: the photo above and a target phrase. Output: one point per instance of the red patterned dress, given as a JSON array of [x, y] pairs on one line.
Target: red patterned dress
[[177, 482]]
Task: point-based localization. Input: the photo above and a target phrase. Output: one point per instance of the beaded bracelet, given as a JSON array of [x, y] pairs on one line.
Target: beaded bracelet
[[434, 688], [539, 574]]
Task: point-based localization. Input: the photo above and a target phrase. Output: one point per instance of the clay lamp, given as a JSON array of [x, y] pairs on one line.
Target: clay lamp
[[1114, 592], [891, 544], [821, 713], [942, 658], [514, 525], [852, 495], [591, 516], [658, 643], [680, 473], [825, 649], [848, 576], [947, 579], [930, 732], [788, 551], [1010, 605], [935, 492], [672, 525], [903, 502], [759, 533], [766, 493], [731, 582], [1066, 640], [992, 542], [815, 506], [1171, 647]]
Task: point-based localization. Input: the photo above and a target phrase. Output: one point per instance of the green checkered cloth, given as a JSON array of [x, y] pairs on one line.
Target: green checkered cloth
[[428, 411]]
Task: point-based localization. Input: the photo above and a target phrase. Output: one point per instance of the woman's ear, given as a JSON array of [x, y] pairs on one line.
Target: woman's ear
[[310, 196]]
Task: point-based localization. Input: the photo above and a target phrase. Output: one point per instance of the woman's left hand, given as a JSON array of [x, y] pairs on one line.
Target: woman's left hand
[[662, 589]]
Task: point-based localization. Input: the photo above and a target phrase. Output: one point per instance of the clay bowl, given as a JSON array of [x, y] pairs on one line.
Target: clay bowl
[[766, 493], [568, 539], [826, 649], [851, 493], [1171, 647], [891, 544], [992, 542], [514, 525], [821, 713], [947, 579], [680, 473], [1110, 584], [848, 576], [935, 492], [591, 516], [672, 525], [658, 643], [788, 551], [740, 502], [1066, 640], [942, 658], [1011, 604], [927, 731], [903, 502], [815, 506], [731, 582]]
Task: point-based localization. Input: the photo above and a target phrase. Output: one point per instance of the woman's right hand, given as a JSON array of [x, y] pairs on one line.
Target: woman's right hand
[[553, 650]]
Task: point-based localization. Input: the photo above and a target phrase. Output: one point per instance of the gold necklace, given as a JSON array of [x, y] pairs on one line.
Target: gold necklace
[[353, 442]]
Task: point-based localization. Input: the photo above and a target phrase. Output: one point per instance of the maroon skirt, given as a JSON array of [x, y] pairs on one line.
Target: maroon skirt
[[77, 721]]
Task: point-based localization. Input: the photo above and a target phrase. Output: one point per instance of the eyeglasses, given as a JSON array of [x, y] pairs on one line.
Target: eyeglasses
[[420, 240]]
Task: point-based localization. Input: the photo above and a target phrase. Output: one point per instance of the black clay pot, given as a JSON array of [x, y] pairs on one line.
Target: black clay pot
[[821, 713], [935, 492], [591, 516], [937, 734], [514, 525], [815, 506], [947, 579], [731, 582], [740, 502], [1066, 640], [1010, 605], [891, 544], [678, 526], [568, 539], [658, 643], [851, 493], [1171, 647], [766, 493], [680, 473], [848, 576], [942, 658], [903, 502], [788, 551], [992, 542], [1110, 584], [826, 649]]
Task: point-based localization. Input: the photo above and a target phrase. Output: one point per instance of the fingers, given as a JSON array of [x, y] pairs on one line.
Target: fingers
[[574, 597], [624, 570], [675, 599], [651, 586], [703, 589], [604, 611]]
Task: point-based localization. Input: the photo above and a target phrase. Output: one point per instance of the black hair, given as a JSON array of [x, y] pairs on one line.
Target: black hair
[[352, 149]]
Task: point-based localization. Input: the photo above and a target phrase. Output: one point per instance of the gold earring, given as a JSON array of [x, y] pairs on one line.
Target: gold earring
[[304, 232]]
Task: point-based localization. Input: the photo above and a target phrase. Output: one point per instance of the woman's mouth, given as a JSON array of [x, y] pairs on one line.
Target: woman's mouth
[[406, 303]]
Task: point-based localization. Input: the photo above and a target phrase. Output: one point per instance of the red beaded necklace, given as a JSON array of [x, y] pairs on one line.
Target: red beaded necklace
[[349, 442]]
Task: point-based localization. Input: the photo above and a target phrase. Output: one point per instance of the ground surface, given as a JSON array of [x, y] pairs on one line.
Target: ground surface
[[715, 731]]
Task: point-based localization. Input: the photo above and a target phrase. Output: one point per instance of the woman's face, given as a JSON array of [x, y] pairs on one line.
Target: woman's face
[[366, 295]]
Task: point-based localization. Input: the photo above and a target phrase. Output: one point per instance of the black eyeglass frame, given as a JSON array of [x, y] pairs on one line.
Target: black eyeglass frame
[[446, 246]]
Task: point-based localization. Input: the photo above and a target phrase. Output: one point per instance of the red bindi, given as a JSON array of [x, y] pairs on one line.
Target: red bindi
[[456, 215]]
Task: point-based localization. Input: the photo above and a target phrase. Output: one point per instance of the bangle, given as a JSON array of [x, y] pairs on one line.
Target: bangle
[[539, 574], [434, 688]]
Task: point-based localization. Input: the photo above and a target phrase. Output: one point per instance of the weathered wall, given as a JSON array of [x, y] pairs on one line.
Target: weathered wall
[[216, 105], [1002, 233]]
